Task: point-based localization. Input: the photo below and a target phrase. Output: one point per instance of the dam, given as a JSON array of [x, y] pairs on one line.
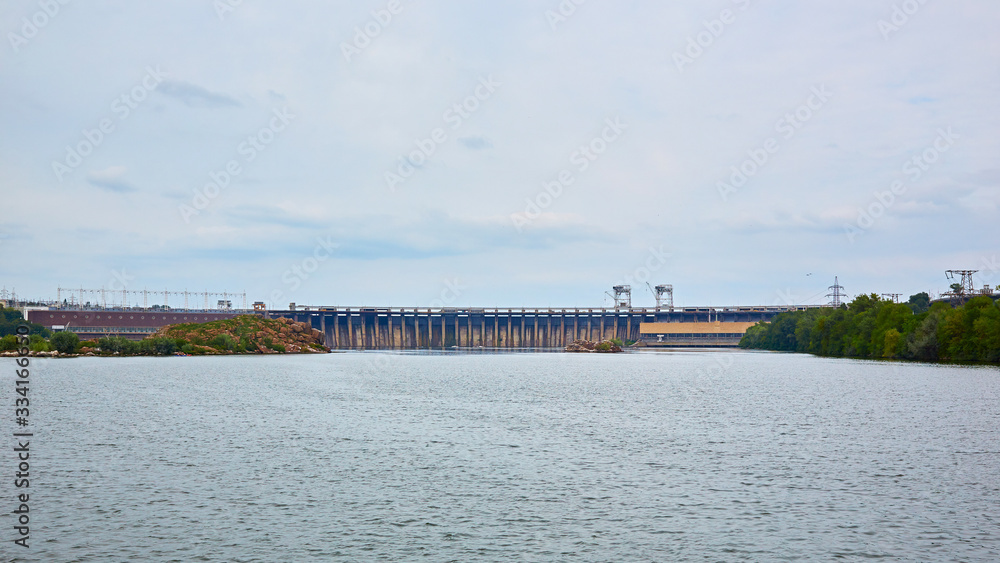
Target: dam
[[401, 328], [411, 328]]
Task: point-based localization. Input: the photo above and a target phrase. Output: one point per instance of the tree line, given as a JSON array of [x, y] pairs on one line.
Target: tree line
[[870, 327]]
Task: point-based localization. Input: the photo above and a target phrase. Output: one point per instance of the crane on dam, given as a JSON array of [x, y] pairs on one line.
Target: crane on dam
[[664, 294]]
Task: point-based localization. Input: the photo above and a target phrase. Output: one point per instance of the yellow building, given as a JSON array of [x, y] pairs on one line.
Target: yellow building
[[711, 334]]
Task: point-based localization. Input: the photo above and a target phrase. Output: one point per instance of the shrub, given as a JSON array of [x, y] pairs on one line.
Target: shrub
[[164, 346], [157, 346], [8, 343], [65, 342], [38, 344], [118, 345], [278, 348], [223, 342]]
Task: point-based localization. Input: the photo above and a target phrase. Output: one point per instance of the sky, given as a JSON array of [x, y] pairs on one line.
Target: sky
[[517, 153]]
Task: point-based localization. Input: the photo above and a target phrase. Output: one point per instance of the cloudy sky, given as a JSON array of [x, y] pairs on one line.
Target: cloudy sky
[[517, 153]]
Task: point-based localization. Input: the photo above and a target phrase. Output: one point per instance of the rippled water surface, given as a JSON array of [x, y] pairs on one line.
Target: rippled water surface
[[682, 456]]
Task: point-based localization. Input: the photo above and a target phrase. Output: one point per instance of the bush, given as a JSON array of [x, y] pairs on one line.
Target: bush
[[65, 342], [157, 346], [223, 342], [278, 348], [8, 343], [118, 345], [38, 344]]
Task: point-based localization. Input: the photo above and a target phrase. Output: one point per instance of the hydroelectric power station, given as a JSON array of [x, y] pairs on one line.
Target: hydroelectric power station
[[403, 328]]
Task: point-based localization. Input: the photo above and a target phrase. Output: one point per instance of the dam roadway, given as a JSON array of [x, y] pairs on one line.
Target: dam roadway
[[402, 328]]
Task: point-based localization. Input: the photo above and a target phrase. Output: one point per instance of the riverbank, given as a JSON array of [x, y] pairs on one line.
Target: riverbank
[[873, 328], [245, 334]]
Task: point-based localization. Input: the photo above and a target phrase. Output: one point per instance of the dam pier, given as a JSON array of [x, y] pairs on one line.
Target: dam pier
[[413, 328], [407, 328]]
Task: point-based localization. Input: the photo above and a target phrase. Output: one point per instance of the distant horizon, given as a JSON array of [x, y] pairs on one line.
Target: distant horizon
[[822, 299]]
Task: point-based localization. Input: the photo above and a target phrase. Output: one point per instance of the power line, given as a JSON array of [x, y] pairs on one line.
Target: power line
[[120, 297]]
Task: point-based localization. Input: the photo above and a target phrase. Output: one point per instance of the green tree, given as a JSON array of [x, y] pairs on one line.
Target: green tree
[[118, 345], [8, 343], [10, 318], [157, 346], [38, 344], [891, 343], [223, 342], [65, 342], [919, 302]]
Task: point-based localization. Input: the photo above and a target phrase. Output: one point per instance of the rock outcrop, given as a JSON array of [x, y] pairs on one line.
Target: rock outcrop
[[249, 334], [605, 346]]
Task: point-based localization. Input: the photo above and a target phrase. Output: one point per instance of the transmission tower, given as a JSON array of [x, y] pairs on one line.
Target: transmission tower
[[836, 292], [967, 287]]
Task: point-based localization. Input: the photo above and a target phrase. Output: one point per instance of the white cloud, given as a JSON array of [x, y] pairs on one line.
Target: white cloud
[[324, 172]]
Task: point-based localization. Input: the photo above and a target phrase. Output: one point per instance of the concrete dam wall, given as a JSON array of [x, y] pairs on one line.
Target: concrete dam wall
[[377, 328]]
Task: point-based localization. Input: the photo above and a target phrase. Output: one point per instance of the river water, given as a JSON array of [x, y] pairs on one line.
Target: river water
[[652, 456]]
